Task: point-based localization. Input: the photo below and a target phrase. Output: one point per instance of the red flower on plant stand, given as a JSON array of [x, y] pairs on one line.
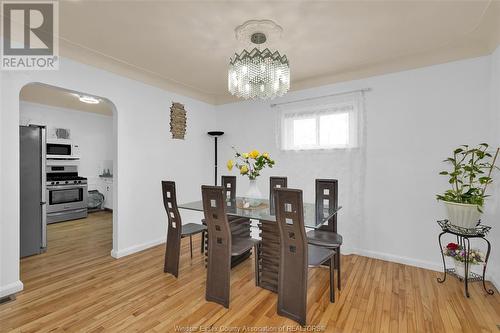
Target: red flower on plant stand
[[452, 246]]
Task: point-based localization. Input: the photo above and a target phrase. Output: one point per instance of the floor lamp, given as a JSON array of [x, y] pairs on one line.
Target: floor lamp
[[215, 135]]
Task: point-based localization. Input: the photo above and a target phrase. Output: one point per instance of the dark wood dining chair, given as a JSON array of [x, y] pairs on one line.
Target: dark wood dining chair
[[327, 236], [240, 226], [296, 255], [222, 245], [229, 184], [275, 182], [176, 230]]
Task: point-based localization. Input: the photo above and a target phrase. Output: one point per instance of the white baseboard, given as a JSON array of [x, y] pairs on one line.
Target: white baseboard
[[400, 260], [136, 248], [11, 288]]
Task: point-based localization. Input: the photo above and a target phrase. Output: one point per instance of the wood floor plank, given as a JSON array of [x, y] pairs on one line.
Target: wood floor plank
[[76, 286]]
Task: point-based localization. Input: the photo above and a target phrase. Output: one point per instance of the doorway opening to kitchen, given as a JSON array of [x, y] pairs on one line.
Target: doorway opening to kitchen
[[68, 192]]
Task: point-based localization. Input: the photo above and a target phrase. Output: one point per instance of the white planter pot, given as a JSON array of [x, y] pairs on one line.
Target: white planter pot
[[462, 215], [253, 195]]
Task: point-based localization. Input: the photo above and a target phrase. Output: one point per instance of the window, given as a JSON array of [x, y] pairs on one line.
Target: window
[[327, 126]]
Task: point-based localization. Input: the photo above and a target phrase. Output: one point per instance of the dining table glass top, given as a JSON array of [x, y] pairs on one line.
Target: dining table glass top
[[262, 212]]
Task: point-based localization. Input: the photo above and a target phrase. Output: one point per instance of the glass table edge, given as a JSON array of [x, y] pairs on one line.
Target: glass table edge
[[309, 226]]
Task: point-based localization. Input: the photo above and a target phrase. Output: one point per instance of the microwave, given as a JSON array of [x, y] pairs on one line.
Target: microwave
[[62, 150]]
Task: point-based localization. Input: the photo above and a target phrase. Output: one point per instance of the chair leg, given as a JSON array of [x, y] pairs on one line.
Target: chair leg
[[165, 266], [332, 280], [202, 249], [172, 254], [337, 259], [191, 245]]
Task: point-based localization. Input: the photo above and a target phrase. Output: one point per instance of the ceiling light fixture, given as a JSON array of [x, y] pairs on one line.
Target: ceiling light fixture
[[87, 99], [259, 73]]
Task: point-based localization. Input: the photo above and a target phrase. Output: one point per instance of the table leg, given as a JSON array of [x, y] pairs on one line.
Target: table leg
[[240, 228], [257, 263], [442, 256], [489, 291], [466, 273], [270, 255]]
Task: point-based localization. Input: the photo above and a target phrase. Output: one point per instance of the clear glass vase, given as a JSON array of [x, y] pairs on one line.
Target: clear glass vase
[[253, 195]]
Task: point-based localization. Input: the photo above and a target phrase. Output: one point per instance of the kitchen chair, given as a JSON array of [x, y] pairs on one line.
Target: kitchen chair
[[222, 245], [176, 230], [327, 236], [275, 182], [296, 255]]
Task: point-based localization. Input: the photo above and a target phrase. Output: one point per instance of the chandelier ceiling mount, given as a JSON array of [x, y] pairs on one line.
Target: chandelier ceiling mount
[[258, 38]]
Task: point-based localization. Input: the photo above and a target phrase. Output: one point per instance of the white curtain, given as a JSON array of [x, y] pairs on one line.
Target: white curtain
[[348, 164]]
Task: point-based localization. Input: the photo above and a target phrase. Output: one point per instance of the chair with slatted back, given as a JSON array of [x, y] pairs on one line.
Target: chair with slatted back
[[229, 184], [222, 245], [275, 182], [176, 230], [296, 255], [327, 236]]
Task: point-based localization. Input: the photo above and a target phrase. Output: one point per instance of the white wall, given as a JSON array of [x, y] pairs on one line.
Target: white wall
[[4, 287], [91, 131], [492, 213], [145, 155], [414, 120]]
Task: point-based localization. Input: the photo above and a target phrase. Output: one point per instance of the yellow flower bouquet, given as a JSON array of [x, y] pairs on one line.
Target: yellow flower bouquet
[[250, 164]]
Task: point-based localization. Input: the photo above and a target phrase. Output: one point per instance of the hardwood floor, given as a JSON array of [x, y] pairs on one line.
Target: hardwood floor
[[77, 286]]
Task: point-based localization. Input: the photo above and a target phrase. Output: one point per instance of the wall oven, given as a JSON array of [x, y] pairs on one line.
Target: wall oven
[[62, 149]]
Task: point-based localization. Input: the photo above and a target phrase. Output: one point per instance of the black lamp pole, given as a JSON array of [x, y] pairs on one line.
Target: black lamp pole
[[215, 134]]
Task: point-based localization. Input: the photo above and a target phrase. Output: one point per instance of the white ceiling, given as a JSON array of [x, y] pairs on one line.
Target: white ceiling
[[63, 98], [184, 46]]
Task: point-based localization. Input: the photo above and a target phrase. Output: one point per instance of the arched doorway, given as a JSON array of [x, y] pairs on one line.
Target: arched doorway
[[76, 164]]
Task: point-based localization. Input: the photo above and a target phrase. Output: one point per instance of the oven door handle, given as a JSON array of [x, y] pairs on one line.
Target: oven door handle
[[79, 210], [65, 187]]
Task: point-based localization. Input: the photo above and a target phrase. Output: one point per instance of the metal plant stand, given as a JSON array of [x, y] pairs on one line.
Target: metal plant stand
[[463, 239]]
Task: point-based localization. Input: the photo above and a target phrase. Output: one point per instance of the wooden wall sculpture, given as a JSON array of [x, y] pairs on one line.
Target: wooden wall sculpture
[[178, 120]]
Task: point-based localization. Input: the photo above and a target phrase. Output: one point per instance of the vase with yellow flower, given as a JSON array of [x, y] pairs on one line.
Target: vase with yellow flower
[[250, 164]]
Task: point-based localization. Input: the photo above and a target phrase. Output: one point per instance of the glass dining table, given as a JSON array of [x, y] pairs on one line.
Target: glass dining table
[[269, 233], [312, 219]]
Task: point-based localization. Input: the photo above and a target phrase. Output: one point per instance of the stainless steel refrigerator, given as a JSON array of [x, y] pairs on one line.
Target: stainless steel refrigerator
[[32, 180]]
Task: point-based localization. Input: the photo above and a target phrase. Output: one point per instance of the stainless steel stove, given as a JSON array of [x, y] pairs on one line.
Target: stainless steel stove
[[67, 193]]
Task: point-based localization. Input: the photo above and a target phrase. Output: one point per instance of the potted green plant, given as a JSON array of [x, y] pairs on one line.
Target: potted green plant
[[469, 177]]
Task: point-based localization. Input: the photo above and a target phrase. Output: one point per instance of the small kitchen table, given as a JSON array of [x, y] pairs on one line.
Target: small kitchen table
[[269, 233]]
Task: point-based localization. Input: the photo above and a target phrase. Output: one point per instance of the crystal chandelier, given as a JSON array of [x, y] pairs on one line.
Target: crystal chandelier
[[259, 73]]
